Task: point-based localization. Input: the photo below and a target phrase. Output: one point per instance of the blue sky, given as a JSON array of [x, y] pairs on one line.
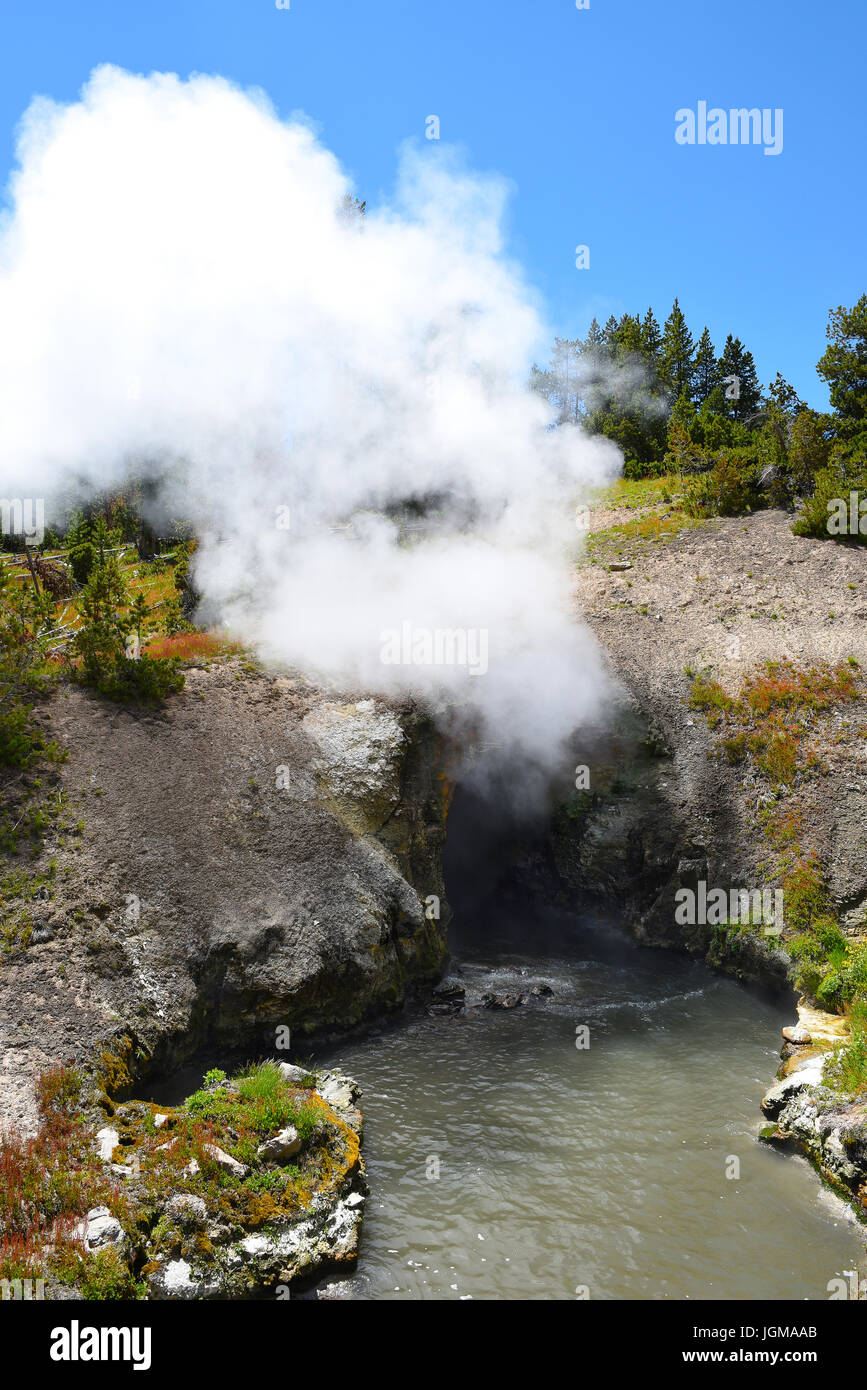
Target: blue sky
[[576, 108]]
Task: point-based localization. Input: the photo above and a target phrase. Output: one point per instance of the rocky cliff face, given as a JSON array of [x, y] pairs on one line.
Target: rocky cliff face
[[664, 808], [258, 860], [666, 811], [662, 815]]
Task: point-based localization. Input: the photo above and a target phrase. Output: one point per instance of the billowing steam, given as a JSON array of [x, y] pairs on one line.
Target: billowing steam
[[337, 403]]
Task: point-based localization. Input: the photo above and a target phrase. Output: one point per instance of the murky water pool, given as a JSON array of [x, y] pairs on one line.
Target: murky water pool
[[507, 1163]]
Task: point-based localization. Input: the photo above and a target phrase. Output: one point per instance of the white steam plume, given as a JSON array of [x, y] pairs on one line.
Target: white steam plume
[[182, 294]]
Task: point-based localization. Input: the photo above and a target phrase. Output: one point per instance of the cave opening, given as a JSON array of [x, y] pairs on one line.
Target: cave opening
[[504, 889]]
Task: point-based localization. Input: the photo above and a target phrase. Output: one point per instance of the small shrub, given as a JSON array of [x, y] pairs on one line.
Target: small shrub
[[57, 1091], [101, 641], [729, 488], [846, 472], [634, 469], [147, 680], [81, 561]]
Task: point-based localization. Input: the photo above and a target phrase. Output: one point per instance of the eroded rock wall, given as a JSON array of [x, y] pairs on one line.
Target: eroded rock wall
[[259, 854]]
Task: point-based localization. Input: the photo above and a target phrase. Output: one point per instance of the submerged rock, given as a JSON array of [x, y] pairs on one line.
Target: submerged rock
[[450, 990], [503, 1001], [448, 998]]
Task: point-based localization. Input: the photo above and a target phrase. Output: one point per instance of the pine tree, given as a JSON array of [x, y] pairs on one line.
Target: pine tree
[[736, 362], [677, 353], [809, 448], [682, 417], [651, 338], [100, 639], [686, 456], [595, 355], [706, 370], [628, 338], [713, 428], [594, 343], [843, 365], [785, 397]]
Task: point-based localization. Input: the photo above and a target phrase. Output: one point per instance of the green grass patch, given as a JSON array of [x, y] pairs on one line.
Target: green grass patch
[[639, 492], [846, 1068]]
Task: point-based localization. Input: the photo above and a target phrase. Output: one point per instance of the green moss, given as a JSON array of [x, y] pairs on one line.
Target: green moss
[[114, 1068], [99, 1276], [104, 1275], [18, 889]]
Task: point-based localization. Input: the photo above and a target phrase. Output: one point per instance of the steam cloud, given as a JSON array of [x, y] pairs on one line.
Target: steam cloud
[[182, 295]]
